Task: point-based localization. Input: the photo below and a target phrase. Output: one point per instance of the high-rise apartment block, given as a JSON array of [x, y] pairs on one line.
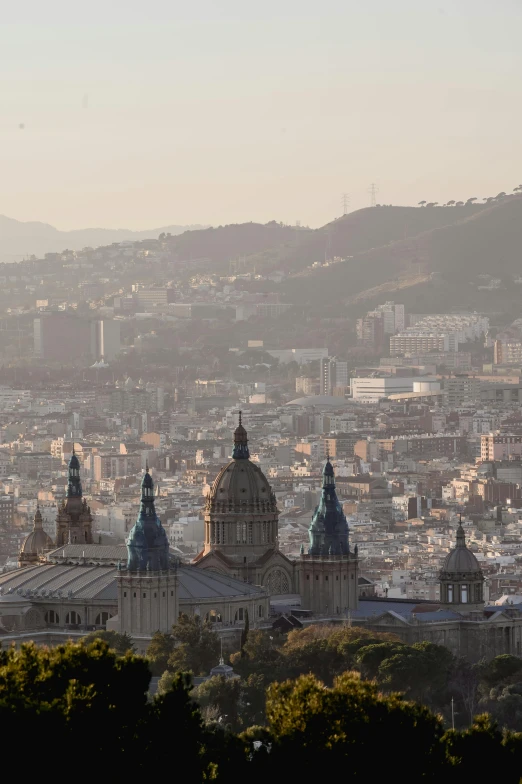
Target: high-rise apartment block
[[385, 320], [59, 335], [334, 376]]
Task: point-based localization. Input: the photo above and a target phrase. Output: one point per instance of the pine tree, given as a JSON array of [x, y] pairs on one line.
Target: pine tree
[[244, 634]]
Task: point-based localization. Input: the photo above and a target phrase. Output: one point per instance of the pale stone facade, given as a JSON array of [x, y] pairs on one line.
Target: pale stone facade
[[241, 525], [147, 603]]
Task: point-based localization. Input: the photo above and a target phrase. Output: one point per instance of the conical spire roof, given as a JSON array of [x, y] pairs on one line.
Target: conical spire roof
[[147, 545], [328, 530]]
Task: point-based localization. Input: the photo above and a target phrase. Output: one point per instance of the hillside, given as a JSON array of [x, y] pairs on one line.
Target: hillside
[[229, 243], [358, 232], [436, 268], [19, 239]]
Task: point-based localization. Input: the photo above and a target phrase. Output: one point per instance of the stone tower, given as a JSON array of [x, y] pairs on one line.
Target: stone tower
[[35, 544], [241, 524], [327, 575], [147, 587], [74, 520], [461, 579]]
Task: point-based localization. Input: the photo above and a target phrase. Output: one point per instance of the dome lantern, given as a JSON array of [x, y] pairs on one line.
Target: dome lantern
[[461, 578], [240, 442]]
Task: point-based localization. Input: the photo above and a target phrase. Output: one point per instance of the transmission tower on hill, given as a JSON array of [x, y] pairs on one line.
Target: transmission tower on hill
[[373, 190], [345, 203]]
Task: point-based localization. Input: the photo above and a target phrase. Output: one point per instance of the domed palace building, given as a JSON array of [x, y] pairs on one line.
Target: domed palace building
[[242, 540], [241, 525]]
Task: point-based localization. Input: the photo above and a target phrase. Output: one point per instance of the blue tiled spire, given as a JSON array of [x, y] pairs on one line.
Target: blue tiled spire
[[147, 545], [328, 530]]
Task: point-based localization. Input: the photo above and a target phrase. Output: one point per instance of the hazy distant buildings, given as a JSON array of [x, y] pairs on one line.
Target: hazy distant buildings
[[380, 323], [248, 310], [334, 376], [61, 336], [507, 351], [148, 299], [305, 385], [371, 390], [440, 332], [105, 339], [500, 447], [453, 360], [419, 342], [300, 355]]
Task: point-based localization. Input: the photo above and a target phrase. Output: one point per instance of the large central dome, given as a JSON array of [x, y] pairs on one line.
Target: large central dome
[[241, 516], [241, 485]]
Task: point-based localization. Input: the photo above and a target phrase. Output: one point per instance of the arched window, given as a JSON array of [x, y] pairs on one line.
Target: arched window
[[240, 615], [73, 618], [52, 617], [450, 593], [102, 618], [261, 611], [213, 616], [278, 582], [464, 594]]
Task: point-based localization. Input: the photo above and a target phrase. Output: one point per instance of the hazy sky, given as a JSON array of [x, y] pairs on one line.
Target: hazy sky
[[144, 113]]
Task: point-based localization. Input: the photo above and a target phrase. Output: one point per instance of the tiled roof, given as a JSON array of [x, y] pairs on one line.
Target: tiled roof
[[197, 583], [87, 582], [95, 552]]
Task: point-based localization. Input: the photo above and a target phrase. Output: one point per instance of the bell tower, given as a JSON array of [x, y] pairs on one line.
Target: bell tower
[[74, 520]]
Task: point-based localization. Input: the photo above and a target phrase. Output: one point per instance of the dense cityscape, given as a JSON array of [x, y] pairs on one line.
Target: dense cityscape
[[131, 358], [261, 390]]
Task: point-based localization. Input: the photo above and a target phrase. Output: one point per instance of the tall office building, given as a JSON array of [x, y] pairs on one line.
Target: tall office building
[[62, 336], [105, 339], [334, 376]]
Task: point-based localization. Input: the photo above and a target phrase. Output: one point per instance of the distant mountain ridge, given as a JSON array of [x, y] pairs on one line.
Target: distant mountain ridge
[[19, 239]]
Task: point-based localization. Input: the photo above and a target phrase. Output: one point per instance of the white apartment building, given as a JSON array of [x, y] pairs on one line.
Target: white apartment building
[[468, 326], [420, 342]]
